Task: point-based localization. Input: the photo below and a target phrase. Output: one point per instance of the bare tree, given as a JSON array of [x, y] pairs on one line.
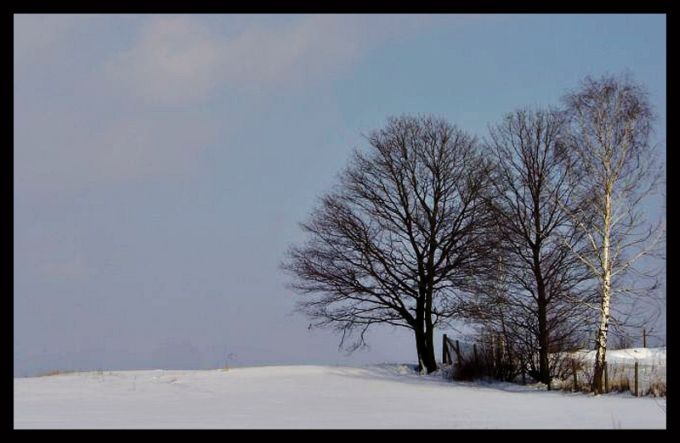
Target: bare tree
[[532, 292], [399, 239], [611, 122]]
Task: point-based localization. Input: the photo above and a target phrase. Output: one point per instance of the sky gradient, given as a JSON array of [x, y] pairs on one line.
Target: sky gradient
[[162, 162]]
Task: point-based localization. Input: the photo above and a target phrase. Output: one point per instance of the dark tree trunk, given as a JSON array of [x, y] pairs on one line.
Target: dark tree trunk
[[424, 334], [542, 299], [425, 347], [543, 340], [430, 360]]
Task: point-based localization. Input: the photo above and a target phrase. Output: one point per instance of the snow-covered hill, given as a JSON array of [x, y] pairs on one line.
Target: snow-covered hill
[[384, 396]]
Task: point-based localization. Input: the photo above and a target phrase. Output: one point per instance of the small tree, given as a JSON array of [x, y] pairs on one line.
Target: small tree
[[611, 123], [399, 240]]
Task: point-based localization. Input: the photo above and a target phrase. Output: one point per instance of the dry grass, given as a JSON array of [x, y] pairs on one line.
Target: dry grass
[[657, 388], [55, 372], [619, 384], [98, 372], [620, 379]]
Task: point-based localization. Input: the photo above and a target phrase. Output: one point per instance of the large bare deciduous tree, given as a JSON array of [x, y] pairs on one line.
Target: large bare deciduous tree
[[611, 122], [399, 240], [541, 278]]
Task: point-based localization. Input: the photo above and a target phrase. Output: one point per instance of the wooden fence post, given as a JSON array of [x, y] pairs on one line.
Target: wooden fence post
[[449, 359], [499, 352], [444, 360], [644, 338], [636, 378], [573, 371], [458, 354], [606, 378]]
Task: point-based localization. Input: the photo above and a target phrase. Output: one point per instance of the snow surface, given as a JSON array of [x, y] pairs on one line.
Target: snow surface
[[383, 396], [645, 356]]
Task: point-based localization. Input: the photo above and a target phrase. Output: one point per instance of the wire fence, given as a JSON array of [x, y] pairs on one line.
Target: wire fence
[[637, 377], [640, 375]]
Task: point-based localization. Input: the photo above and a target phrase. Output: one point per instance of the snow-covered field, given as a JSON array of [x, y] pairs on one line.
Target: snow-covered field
[[383, 396], [646, 356]]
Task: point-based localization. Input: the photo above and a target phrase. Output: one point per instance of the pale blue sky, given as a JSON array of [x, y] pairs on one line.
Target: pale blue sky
[[162, 162]]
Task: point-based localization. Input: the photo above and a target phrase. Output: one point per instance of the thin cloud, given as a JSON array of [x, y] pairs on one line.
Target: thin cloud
[[173, 60], [180, 60], [135, 109]]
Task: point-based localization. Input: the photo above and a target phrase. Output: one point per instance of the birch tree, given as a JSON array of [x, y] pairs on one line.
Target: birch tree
[[610, 128]]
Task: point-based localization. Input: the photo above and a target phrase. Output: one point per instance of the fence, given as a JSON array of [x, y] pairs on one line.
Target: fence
[[490, 359], [637, 377], [487, 359], [449, 345]]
